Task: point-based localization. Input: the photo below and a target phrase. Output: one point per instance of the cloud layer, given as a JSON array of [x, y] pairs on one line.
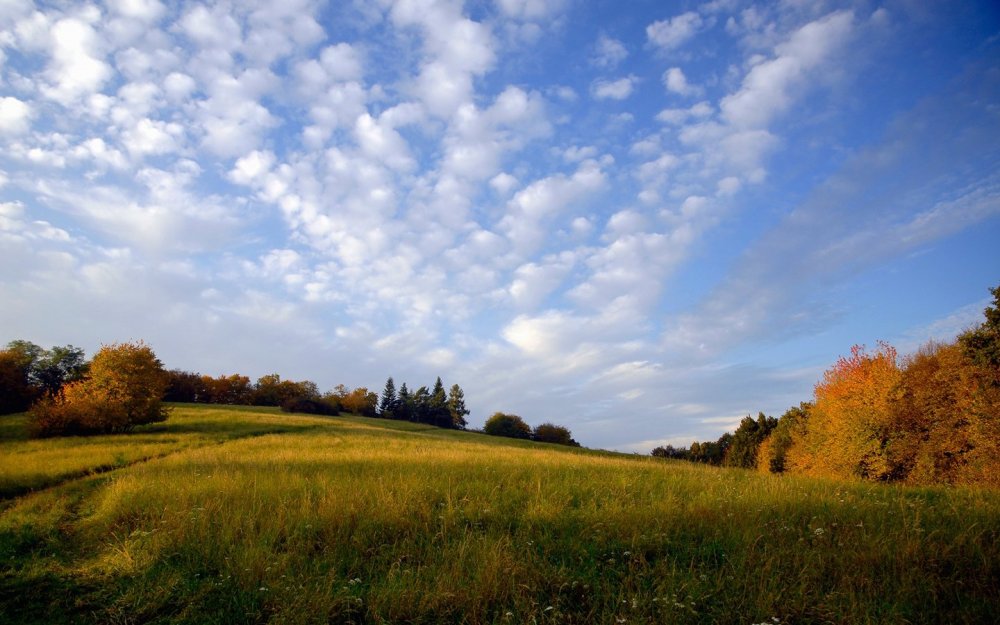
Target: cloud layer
[[418, 188]]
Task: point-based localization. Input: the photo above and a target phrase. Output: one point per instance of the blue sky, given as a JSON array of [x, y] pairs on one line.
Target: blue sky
[[640, 220]]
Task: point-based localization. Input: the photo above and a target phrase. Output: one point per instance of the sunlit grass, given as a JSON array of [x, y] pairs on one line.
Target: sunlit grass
[[32, 464], [352, 521]]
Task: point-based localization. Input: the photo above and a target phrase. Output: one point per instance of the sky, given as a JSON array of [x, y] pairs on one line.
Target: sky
[[640, 220]]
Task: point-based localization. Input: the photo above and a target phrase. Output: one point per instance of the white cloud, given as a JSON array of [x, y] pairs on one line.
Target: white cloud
[[530, 9], [676, 82], [675, 32], [143, 10], [77, 66], [608, 52], [767, 88], [15, 116], [614, 89]]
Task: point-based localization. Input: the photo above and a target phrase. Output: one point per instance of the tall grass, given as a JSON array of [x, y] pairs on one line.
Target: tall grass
[[350, 521]]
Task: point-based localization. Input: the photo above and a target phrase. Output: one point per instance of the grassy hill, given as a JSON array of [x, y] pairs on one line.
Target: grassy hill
[[232, 515]]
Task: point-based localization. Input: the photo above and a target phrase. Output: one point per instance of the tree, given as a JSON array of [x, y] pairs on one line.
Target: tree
[[773, 451], [29, 372], [456, 407], [404, 404], [359, 401], [16, 394], [552, 433], [982, 344], [849, 429], [388, 400], [124, 388], [56, 367], [509, 425], [747, 440], [946, 419], [437, 406]]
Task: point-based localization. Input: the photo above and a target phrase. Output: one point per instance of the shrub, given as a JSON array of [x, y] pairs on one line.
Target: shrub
[[509, 425], [552, 433], [124, 389], [308, 405]]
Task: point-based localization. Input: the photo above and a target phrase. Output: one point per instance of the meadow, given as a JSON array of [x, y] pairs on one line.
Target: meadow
[[248, 515]]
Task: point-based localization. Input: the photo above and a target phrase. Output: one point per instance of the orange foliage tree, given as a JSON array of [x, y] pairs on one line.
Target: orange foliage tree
[[849, 430], [947, 415], [124, 388]]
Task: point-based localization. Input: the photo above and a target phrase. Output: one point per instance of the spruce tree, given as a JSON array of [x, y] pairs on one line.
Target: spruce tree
[[388, 401], [456, 407]]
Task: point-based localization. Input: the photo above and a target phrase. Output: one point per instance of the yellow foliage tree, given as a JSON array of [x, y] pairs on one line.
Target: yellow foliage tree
[[124, 388], [850, 425], [947, 413]]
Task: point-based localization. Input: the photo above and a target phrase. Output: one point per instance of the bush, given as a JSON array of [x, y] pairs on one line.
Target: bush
[[124, 389], [308, 405], [509, 425], [552, 433]]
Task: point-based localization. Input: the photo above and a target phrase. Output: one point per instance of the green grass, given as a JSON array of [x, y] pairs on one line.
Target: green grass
[[262, 517]]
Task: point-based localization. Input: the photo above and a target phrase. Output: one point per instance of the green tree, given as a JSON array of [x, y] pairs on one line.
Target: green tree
[[404, 404], [509, 425], [456, 407], [982, 344], [56, 367], [774, 449], [747, 439], [388, 400], [124, 388], [16, 394], [552, 433]]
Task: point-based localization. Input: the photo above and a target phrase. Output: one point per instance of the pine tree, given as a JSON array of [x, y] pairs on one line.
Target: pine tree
[[456, 407], [404, 404], [388, 401]]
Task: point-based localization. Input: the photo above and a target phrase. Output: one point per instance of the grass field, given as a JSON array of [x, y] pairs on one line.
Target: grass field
[[232, 515]]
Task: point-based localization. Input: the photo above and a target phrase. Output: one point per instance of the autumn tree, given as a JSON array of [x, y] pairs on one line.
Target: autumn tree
[[946, 417], [774, 449], [123, 389], [509, 425], [850, 426]]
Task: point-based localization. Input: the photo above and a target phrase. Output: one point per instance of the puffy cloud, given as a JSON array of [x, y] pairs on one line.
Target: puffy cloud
[[676, 82], [15, 116], [675, 32], [766, 89], [608, 52], [77, 67], [614, 89]]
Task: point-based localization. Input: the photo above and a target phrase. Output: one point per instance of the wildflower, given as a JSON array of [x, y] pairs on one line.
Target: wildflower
[[548, 608], [818, 531]]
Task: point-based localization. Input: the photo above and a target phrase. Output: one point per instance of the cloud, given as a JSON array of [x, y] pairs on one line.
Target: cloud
[[77, 67], [15, 116], [842, 230], [676, 82], [614, 89], [608, 52], [673, 33], [766, 89]]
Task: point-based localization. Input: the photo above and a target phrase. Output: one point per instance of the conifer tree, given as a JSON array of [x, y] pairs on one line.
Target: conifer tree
[[388, 402], [456, 407]]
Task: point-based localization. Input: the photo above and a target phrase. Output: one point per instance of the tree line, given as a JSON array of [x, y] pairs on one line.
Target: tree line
[[431, 406], [126, 385], [932, 417]]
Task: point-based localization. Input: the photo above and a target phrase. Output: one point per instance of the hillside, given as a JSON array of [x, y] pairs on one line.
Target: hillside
[[230, 515]]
